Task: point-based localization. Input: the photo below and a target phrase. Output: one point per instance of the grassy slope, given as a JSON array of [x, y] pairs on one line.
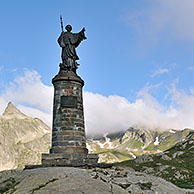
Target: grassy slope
[[178, 170], [110, 155], [122, 150]]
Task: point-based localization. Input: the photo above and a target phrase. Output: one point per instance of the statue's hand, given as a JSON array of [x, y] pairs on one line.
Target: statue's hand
[[83, 34]]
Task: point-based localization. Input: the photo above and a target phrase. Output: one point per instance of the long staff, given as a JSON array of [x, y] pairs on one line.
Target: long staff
[[61, 23]]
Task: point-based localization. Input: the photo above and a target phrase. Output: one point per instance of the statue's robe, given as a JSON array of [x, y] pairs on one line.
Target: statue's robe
[[69, 41]]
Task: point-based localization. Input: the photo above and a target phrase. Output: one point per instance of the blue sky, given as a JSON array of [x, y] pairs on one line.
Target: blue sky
[[135, 50]]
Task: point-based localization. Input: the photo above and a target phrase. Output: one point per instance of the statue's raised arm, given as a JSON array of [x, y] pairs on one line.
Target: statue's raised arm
[[69, 41], [81, 36]]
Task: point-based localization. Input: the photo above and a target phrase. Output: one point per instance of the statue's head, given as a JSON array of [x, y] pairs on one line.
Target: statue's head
[[68, 28]]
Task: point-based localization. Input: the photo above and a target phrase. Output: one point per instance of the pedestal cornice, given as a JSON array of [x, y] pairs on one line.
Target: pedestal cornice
[[68, 77]]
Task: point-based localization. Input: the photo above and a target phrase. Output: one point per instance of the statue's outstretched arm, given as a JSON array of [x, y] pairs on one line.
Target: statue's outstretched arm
[[80, 36]]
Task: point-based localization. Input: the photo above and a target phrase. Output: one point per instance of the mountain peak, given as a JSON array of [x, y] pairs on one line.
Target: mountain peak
[[12, 111]]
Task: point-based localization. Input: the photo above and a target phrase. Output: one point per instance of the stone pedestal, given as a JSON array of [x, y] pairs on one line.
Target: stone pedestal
[[68, 130]]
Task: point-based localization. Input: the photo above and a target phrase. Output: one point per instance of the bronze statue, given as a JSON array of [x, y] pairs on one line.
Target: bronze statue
[[69, 41]]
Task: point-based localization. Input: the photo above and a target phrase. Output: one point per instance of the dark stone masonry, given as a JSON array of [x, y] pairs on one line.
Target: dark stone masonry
[[68, 133], [68, 130]]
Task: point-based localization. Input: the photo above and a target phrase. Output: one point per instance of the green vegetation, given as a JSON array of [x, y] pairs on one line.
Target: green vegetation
[[150, 147], [135, 143], [8, 184], [145, 186], [137, 153], [116, 143], [125, 186], [168, 143], [122, 156], [19, 143], [186, 132], [179, 169], [176, 165], [110, 156], [132, 142]]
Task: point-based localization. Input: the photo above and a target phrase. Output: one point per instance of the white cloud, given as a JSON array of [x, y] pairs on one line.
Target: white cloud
[[105, 114], [114, 113], [30, 95], [3, 104], [170, 19], [190, 68], [30, 90], [159, 72]]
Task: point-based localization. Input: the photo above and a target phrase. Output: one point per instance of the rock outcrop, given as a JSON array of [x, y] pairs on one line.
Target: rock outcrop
[[22, 139], [67, 180], [174, 165]]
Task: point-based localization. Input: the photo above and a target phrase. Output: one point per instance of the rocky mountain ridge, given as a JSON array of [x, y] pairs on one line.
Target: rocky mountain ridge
[[167, 154], [135, 142], [22, 139]]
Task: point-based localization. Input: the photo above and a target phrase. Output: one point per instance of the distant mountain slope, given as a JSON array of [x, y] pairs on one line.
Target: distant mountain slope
[[22, 139], [135, 142], [175, 164]]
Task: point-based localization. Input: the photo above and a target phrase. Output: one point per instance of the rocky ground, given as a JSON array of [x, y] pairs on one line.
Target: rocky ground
[[67, 180], [174, 165], [23, 139]]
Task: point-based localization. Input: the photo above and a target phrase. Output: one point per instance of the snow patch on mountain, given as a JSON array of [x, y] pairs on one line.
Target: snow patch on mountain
[[156, 141], [107, 144], [172, 131]]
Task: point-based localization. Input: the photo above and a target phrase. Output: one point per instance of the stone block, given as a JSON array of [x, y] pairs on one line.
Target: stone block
[[68, 133], [68, 149]]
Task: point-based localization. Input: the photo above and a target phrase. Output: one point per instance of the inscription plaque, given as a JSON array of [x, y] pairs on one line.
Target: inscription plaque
[[69, 101]]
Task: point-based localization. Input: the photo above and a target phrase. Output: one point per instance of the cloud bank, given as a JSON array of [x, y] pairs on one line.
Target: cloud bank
[[105, 114], [30, 95], [170, 18]]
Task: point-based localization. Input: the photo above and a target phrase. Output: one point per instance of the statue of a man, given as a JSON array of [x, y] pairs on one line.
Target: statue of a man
[[69, 41]]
